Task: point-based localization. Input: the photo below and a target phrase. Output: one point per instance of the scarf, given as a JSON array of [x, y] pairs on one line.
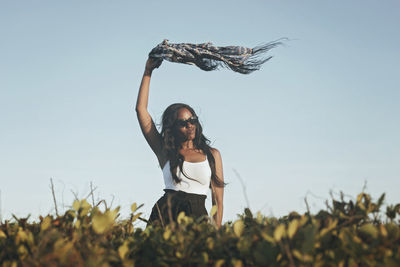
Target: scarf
[[208, 57]]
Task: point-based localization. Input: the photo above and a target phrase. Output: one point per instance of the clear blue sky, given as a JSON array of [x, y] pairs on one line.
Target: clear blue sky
[[322, 115]]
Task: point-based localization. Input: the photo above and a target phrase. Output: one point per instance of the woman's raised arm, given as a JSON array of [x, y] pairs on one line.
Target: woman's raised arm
[[147, 125]]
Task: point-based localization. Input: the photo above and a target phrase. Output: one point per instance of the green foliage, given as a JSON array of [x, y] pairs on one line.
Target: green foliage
[[345, 234]]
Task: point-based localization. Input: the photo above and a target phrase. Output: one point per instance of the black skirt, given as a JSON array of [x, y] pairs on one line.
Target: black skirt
[[168, 207]]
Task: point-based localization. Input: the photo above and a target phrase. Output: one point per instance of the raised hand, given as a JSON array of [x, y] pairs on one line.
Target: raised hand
[[153, 63]]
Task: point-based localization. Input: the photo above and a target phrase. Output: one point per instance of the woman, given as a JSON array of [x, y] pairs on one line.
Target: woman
[[190, 166]]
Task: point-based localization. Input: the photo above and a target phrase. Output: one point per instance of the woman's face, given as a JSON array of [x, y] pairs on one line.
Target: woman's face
[[186, 130]]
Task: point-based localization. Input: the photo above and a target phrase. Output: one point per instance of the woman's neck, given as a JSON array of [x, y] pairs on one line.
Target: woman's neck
[[187, 145]]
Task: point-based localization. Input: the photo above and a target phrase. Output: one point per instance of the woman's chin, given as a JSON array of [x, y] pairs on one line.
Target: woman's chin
[[191, 137]]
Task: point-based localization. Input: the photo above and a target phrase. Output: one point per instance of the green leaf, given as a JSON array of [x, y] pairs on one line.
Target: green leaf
[[309, 232], [248, 212], [369, 229]]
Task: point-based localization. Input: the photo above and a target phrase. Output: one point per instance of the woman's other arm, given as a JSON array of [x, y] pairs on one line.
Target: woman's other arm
[[147, 125], [218, 192]]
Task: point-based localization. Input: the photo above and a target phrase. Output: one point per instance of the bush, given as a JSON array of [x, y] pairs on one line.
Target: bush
[[347, 233]]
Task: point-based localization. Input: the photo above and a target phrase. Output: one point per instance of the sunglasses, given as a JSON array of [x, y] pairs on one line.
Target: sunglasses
[[184, 123]]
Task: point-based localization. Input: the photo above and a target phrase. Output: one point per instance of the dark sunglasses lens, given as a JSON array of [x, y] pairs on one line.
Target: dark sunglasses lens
[[193, 120], [182, 123]]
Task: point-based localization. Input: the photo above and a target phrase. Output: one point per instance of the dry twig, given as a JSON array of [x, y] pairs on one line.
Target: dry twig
[[54, 196]]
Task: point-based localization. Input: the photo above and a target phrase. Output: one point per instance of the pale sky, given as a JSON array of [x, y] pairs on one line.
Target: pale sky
[[321, 115]]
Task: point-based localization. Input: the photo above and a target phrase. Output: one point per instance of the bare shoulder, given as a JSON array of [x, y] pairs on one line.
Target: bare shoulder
[[215, 152]]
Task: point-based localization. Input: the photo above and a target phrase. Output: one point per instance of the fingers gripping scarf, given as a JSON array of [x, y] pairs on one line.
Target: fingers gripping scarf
[[208, 57]]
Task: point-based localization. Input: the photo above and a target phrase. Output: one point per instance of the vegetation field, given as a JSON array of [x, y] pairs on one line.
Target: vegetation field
[[358, 232]]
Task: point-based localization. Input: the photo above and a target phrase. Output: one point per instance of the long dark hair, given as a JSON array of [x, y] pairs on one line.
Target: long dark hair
[[172, 143]]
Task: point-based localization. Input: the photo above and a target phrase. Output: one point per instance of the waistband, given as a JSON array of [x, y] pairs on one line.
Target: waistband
[[185, 195]]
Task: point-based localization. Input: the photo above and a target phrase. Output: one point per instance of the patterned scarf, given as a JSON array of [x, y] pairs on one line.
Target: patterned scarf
[[208, 57]]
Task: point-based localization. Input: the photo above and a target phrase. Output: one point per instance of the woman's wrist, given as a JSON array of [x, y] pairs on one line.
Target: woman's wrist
[[147, 72]]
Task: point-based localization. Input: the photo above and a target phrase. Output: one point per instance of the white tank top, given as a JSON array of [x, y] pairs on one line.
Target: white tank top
[[199, 171]]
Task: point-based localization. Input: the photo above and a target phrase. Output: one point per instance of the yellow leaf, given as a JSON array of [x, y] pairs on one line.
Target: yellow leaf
[[167, 234], [21, 236], [388, 253], [181, 217], [279, 232], [85, 204], [293, 226], [267, 237], [210, 243], [383, 230], [219, 263], [323, 232], [130, 229], [76, 205], [308, 258], [45, 223], [22, 251], [237, 263], [303, 220], [101, 223], [238, 228], [357, 239], [122, 250], [133, 207], [352, 263], [112, 215], [136, 216], [205, 257], [31, 239], [59, 243], [297, 254], [259, 217], [213, 210], [333, 224], [178, 255], [2, 234]]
